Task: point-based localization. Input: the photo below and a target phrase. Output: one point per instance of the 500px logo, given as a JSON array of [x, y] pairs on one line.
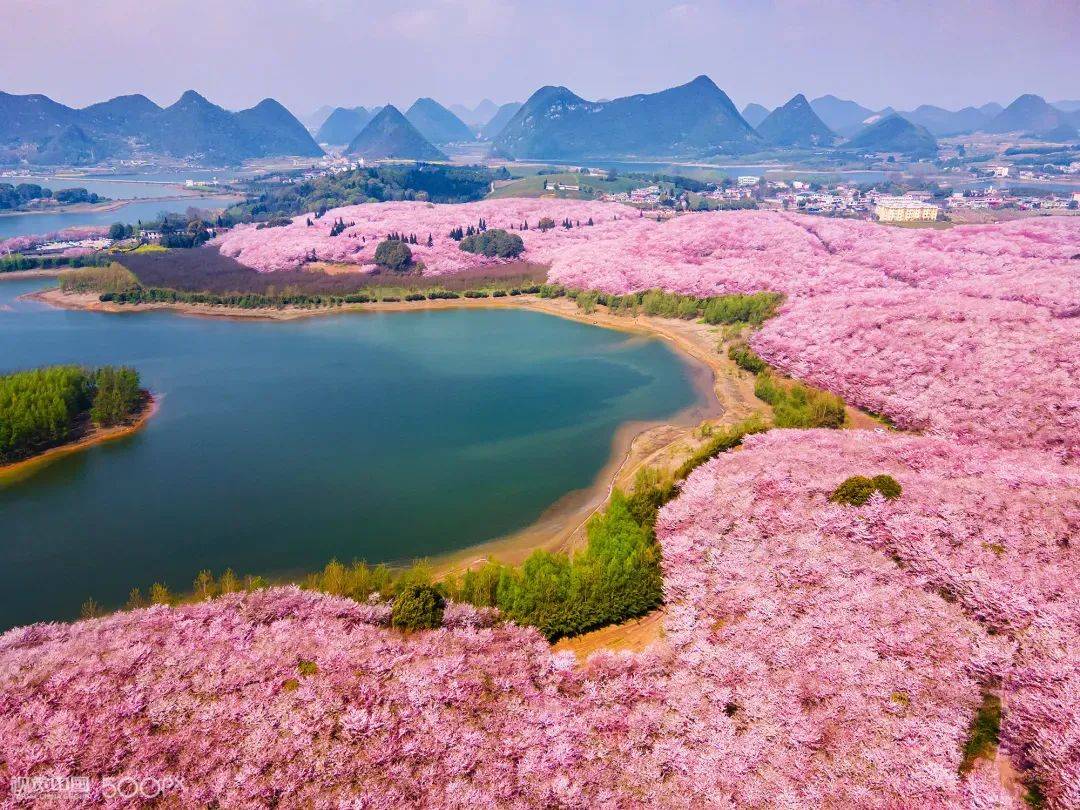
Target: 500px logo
[[112, 787], [140, 787]]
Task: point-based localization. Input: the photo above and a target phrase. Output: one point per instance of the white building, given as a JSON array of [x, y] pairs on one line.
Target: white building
[[904, 209], [748, 180]]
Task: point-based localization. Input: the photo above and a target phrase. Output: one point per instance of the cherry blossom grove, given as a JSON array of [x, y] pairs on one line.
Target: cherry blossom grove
[[14, 244], [286, 247], [993, 530], [813, 654]]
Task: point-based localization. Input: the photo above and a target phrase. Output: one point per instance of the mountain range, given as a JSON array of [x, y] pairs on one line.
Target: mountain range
[[436, 123], [344, 124], [37, 129], [478, 116], [390, 135], [796, 124], [692, 119], [1028, 114]]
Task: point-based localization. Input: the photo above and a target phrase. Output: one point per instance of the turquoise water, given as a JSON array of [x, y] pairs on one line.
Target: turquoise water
[[279, 445]]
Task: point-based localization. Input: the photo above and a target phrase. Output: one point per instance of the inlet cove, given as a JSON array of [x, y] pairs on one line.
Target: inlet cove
[[278, 446]]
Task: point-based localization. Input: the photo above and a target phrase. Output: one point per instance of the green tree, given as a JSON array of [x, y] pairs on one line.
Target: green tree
[[418, 606], [116, 395], [393, 254]]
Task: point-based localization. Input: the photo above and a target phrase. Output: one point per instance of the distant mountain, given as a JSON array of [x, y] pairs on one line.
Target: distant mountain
[[796, 124], [492, 128], [894, 133], [317, 118], [755, 114], [990, 109], [32, 118], [41, 129], [123, 115], [942, 122], [840, 114], [1028, 113], [390, 135], [71, 147], [478, 116], [270, 129], [342, 125], [696, 118], [436, 123], [1067, 105]]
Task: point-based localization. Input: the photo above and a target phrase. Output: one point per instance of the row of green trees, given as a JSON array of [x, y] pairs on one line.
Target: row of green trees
[[745, 309], [41, 408], [16, 261]]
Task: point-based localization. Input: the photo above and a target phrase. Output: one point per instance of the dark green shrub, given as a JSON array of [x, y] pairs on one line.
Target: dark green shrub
[[393, 254], [475, 294], [390, 299], [548, 290], [752, 309], [495, 243], [415, 297], [498, 294], [799, 405], [746, 358], [418, 607], [984, 733], [854, 491], [887, 486]]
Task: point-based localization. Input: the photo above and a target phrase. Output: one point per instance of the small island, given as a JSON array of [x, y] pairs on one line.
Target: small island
[[55, 409]]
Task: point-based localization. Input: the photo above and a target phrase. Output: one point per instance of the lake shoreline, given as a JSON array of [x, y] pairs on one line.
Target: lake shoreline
[[725, 395], [88, 437]]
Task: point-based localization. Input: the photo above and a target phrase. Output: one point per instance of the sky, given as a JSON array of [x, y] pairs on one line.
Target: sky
[[307, 53]]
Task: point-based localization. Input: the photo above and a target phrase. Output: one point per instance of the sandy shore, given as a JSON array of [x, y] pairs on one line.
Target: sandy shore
[[21, 470]]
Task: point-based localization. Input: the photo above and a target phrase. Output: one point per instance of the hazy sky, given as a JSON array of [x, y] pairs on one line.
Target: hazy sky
[[307, 53]]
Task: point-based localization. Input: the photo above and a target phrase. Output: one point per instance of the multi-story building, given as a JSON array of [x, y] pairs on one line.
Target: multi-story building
[[904, 209]]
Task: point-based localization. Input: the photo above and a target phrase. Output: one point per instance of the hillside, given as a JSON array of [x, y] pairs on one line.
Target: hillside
[[269, 129], [390, 135], [123, 115], [894, 134], [506, 112], [192, 127], [436, 123], [942, 123], [755, 114], [1028, 113], [693, 119], [342, 125], [71, 147], [839, 114], [796, 124]]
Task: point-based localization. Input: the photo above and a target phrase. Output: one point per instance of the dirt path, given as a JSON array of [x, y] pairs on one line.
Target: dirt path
[[632, 636]]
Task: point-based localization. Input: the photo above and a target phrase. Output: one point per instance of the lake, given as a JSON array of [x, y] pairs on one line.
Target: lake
[[47, 222], [280, 445]]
